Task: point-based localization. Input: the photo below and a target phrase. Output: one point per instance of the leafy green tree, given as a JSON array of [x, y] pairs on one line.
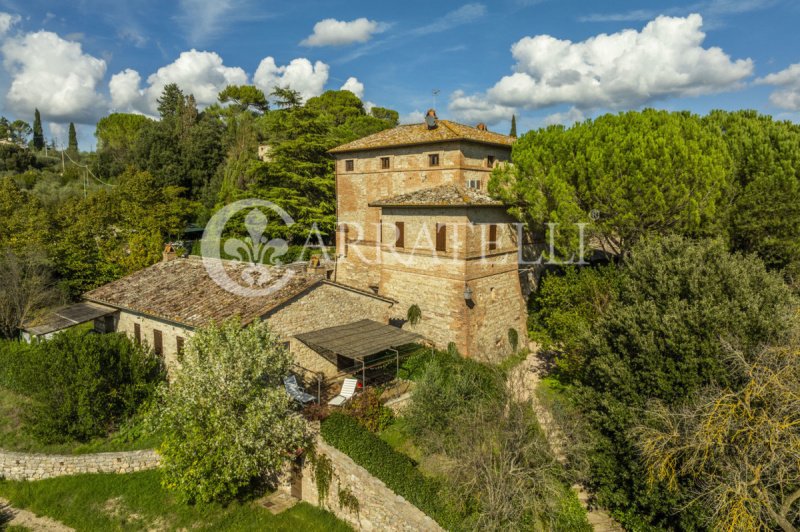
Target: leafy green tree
[[19, 131], [513, 131], [38, 134], [390, 116], [72, 145], [117, 135], [171, 102], [636, 173], [663, 336], [227, 418], [85, 385], [26, 224], [765, 194], [286, 97], [736, 448], [245, 97]]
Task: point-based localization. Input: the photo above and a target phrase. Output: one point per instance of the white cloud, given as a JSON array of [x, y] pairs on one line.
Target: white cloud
[[353, 85], [204, 20], [788, 95], [476, 108], [566, 119], [53, 75], [7, 21], [332, 32], [202, 74], [616, 71], [300, 75], [414, 117]]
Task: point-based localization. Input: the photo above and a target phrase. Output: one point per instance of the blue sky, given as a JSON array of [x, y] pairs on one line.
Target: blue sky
[[547, 61]]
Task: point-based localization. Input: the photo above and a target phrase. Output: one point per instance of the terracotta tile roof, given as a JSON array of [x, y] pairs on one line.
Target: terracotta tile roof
[[181, 291], [450, 195], [420, 134]]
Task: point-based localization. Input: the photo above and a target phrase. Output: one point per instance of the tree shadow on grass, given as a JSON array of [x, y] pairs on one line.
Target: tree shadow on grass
[[5, 515]]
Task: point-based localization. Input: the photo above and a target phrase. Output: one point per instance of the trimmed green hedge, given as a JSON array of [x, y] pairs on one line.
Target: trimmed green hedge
[[396, 470]]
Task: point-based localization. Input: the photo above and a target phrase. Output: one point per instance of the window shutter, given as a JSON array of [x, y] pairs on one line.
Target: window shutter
[[137, 333], [399, 228], [158, 342], [441, 237], [492, 237]]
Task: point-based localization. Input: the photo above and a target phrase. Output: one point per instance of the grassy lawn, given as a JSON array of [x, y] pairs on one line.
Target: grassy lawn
[[137, 501], [13, 437]]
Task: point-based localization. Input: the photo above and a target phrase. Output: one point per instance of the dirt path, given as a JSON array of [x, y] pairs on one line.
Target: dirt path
[[523, 381], [13, 516]]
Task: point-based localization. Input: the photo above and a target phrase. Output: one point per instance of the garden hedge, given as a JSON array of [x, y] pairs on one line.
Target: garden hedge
[[395, 469]]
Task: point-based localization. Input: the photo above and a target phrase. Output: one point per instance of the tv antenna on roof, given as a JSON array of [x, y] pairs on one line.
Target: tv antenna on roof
[[435, 92]]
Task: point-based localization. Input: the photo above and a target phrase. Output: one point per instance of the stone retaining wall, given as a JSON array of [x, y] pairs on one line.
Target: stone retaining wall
[[24, 466], [379, 507]]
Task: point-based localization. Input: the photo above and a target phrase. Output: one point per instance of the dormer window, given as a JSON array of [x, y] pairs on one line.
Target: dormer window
[[349, 165], [433, 159]]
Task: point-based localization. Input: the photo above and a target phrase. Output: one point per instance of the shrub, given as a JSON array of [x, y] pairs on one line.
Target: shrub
[[227, 419], [396, 470], [369, 410], [83, 385]]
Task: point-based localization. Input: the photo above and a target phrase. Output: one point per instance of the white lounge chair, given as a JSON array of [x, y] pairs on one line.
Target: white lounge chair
[[348, 391]]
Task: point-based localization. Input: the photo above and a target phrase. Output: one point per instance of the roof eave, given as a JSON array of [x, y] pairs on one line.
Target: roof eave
[[342, 149]]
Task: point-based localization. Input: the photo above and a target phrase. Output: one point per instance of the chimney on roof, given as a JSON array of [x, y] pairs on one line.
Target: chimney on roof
[[169, 253], [431, 119], [481, 126]]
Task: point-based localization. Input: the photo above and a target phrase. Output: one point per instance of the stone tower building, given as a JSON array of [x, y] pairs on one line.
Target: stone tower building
[[416, 226]]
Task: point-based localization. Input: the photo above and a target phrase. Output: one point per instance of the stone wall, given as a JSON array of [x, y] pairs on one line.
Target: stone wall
[[24, 466], [379, 507]]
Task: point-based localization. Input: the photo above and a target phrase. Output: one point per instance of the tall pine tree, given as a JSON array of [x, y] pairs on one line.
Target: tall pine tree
[[38, 134], [513, 132], [72, 147]]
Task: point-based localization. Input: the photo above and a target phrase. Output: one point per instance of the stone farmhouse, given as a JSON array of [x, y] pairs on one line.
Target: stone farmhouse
[[416, 228]]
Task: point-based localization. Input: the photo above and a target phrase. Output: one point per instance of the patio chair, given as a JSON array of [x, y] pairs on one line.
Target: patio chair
[[348, 391], [296, 391]]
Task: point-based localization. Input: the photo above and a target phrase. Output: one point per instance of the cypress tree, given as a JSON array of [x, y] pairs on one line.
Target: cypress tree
[[38, 134], [73, 139], [513, 132]]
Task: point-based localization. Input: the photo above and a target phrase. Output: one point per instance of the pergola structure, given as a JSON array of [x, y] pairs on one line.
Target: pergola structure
[[357, 341], [64, 318]]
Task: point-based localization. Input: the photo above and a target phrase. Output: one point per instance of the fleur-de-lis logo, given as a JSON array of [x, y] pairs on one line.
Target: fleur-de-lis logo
[[260, 276]]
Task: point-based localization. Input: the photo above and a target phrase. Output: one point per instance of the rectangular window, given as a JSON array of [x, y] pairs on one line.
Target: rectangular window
[[179, 346], [349, 165], [474, 183], [385, 163], [490, 161], [400, 237], [441, 237], [158, 343], [137, 333], [108, 326], [433, 159], [492, 237]]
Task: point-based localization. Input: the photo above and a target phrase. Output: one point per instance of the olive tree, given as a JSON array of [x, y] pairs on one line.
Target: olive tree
[[227, 419]]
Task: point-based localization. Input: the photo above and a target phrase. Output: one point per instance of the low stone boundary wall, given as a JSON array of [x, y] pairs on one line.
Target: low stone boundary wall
[[24, 466], [379, 507]]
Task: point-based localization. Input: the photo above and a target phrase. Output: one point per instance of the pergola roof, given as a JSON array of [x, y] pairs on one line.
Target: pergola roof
[[67, 317], [357, 340]]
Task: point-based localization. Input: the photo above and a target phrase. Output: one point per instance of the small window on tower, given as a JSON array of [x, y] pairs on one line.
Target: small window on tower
[[490, 161], [385, 163], [433, 159], [349, 165], [441, 237], [492, 237], [400, 236], [474, 183]]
